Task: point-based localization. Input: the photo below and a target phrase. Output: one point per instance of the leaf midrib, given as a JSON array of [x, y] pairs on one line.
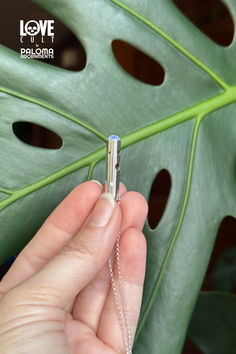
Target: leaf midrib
[[177, 229], [203, 108]]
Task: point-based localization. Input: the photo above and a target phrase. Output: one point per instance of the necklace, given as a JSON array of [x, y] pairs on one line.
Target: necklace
[[117, 283], [120, 298]]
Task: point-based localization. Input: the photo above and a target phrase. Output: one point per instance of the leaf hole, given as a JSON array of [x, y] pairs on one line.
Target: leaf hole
[[220, 274], [36, 135], [190, 347], [158, 197], [69, 53], [212, 17], [6, 266], [138, 64]]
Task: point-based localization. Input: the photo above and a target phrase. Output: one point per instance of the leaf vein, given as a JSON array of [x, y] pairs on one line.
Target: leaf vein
[[178, 227], [178, 46], [53, 109], [202, 108]]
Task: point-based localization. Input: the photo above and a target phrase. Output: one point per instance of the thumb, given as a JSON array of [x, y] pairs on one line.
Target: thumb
[[76, 265]]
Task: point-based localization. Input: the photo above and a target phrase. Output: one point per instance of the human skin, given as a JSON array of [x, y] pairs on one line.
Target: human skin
[[57, 296]]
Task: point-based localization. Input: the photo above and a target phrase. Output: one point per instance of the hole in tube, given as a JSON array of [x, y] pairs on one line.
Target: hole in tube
[[212, 17], [36, 135], [138, 64], [158, 197]]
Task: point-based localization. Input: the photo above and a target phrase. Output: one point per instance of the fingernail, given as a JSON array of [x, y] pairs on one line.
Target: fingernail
[[102, 212], [94, 180]]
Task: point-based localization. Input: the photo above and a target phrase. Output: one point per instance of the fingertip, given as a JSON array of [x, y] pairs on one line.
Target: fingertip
[[74, 209], [97, 182], [90, 189], [135, 241], [122, 189], [140, 200], [134, 210], [133, 247], [85, 186]]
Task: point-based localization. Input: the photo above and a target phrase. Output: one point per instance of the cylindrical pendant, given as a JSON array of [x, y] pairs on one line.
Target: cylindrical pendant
[[113, 165]]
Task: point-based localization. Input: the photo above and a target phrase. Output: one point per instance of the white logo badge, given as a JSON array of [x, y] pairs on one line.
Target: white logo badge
[[34, 33]]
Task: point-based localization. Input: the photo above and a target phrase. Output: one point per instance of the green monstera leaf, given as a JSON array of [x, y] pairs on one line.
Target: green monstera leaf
[[187, 126]]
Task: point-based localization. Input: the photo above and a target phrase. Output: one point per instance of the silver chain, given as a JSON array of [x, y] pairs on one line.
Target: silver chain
[[120, 299]]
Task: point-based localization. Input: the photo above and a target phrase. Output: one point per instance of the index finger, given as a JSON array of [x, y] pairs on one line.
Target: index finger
[[58, 229], [61, 225]]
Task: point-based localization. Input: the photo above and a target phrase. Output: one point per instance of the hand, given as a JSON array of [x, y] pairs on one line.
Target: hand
[[56, 297]]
